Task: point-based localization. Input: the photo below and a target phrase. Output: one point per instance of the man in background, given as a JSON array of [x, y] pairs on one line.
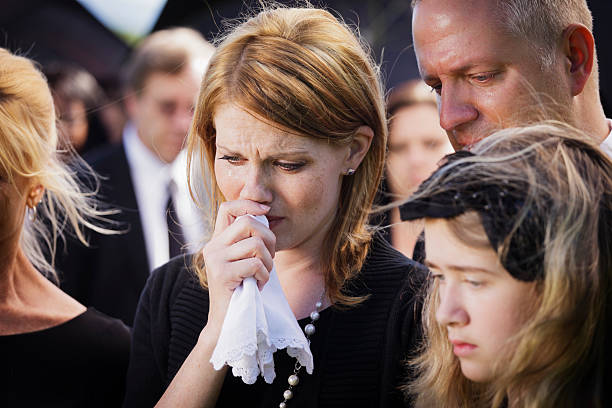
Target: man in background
[[144, 177], [499, 63]]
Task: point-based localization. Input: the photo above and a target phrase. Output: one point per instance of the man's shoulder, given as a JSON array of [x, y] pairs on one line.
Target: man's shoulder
[[106, 156]]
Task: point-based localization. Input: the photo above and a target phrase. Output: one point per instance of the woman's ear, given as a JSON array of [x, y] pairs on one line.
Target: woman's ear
[[358, 148], [35, 195]]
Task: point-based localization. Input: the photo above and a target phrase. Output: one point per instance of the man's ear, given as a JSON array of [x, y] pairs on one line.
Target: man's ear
[[579, 49], [131, 103], [358, 147]]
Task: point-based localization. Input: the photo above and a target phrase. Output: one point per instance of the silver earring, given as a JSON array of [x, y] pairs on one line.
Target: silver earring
[[32, 213], [350, 172]]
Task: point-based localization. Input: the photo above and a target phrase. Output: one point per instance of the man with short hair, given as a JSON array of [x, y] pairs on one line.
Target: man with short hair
[[499, 63], [144, 177]]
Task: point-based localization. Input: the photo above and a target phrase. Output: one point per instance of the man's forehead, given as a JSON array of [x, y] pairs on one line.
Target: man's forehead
[[454, 15], [451, 43]]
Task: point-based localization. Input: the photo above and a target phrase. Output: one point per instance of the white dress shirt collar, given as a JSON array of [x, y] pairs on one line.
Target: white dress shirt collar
[[150, 177], [606, 145]]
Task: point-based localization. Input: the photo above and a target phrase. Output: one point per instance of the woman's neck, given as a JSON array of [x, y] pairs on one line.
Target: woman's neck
[[301, 276], [28, 301], [404, 235], [15, 270]]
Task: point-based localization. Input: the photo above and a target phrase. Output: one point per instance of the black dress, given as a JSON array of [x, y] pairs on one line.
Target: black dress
[[357, 352], [79, 363]]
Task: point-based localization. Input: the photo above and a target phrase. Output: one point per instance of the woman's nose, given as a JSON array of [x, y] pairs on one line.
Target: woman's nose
[[256, 186]]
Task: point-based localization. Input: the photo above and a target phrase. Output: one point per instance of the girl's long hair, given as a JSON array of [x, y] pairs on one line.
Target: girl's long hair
[[559, 358]]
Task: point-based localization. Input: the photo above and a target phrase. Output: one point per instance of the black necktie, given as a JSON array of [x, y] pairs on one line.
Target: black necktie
[[176, 239]]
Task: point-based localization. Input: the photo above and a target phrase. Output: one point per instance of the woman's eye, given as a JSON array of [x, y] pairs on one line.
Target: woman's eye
[[432, 144], [231, 159], [288, 166], [474, 283], [397, 147]]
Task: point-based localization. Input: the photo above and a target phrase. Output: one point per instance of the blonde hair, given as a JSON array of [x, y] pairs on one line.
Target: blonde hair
[[28, 148], [302, 70], [559, 356]]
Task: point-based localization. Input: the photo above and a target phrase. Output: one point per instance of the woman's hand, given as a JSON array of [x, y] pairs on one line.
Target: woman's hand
[[238, 249]]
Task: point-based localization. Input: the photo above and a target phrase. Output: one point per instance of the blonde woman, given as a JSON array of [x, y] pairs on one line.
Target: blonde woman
[[518, 236], [291, 123], [54, 351]]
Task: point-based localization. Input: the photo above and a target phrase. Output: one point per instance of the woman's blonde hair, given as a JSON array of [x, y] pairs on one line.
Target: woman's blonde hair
[[302, 70], [559, 358], [28, 148]]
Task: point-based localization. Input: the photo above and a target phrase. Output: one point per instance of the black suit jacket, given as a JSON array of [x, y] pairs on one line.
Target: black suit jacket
[[111, 273]]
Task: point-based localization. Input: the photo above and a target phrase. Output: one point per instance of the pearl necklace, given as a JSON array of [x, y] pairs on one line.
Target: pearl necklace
[[309, 330]]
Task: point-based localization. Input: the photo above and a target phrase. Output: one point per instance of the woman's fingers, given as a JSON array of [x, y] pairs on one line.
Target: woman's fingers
[[230, 210], [248, 227], [239, 271], [247, 268], [253, 247]]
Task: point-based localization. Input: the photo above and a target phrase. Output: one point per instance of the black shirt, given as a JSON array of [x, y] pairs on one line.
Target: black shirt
[[357, 352], [79, 363]]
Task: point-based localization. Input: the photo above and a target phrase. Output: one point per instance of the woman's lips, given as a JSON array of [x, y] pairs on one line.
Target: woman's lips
[[274, 220], [462, 349]]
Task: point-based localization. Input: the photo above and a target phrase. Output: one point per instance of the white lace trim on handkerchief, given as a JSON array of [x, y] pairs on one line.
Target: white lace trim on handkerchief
[[255, 326]]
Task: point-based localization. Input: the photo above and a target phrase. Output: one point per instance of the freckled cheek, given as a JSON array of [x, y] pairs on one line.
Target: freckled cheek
[[318, 196], [229, 181]]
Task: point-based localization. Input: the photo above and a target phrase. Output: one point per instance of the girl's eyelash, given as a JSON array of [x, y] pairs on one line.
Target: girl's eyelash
[[436, 276]]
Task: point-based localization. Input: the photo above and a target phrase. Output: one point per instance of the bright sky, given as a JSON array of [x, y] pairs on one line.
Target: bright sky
[[135, 17]]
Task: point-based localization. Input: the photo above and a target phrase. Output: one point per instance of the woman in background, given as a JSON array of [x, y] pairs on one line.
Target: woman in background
[[54, 351], [80, 104], [518, 236], [416, 145]]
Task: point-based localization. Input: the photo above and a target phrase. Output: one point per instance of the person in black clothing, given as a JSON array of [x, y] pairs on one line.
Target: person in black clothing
[[291, 121], [143, 176], [518, 235], [54, 351]]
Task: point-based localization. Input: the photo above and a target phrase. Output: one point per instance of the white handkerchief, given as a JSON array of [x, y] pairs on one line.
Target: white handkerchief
[[255, 326]]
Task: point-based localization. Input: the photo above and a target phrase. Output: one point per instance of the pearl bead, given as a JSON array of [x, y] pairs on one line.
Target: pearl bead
[[309, 329], [318, 305], [293, 380], [314, 316], [282, 405], [287, 394]]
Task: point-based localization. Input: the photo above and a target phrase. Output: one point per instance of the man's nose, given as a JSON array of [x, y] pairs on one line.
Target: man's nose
[[455, 108], [256, 186], [451, 310]]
